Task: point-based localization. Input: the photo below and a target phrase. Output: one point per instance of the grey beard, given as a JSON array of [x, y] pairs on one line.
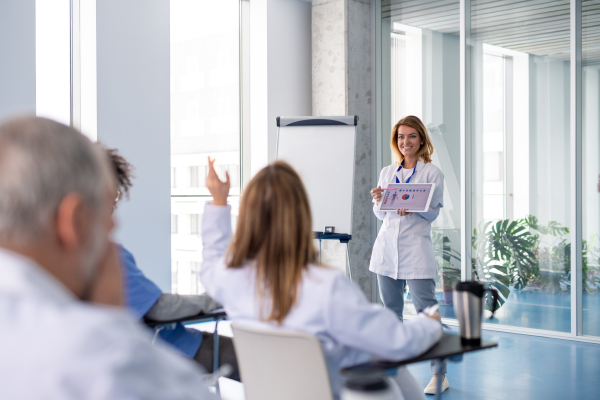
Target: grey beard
[[93, 251]]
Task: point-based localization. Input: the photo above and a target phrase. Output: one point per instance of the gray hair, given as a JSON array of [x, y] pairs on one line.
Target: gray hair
[[41, 162]]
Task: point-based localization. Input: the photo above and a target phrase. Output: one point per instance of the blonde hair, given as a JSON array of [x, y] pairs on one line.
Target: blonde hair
[[274, 229], [426, 149]]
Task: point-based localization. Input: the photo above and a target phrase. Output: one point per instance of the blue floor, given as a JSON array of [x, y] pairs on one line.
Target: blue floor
[[522, 367]]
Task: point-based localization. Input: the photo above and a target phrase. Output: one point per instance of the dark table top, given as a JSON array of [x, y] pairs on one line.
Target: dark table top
[[448, 346], [202, 317]]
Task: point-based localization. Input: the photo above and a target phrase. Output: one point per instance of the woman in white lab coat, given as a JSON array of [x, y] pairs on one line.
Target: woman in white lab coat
[[268, 276], [403, 252]]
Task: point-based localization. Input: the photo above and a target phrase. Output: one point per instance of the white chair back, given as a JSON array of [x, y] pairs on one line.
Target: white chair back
[[277, 365]]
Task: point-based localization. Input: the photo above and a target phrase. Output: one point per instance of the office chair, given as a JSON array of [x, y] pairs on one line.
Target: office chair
[[276, 364]]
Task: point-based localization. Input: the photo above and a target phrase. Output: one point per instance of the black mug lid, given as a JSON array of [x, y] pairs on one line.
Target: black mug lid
[[470, 286], [366, 384]]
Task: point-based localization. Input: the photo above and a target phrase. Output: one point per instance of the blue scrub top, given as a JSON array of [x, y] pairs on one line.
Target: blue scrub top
[[141, 294]]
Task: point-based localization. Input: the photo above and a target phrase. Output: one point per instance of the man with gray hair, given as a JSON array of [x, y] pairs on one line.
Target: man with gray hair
[[56, 259]]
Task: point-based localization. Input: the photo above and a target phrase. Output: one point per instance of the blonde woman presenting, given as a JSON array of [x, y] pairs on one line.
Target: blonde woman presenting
[[403, 252], [267, 274]]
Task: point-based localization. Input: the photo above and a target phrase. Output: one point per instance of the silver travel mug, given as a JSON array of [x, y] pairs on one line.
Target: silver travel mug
[[468, 307]]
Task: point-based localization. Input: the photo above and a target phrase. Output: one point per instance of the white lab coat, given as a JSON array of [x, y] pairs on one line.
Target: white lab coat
[[351, 330], [403, 248], [53, 346]]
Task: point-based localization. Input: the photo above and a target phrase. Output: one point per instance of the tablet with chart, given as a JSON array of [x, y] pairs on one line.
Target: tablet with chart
[[414, 197]]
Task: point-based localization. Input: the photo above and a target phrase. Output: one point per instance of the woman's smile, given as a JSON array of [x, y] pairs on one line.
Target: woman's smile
[[409, 141]]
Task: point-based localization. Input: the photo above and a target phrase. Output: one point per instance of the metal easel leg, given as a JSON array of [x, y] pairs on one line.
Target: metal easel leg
[[216, 356], [319, 251], [348, 264]]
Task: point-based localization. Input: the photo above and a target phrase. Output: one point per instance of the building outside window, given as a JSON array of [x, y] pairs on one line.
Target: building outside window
[[195, 224], [174, 224], [205, 121]]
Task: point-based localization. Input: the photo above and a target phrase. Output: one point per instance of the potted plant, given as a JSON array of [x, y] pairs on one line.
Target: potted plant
[[445, 254]]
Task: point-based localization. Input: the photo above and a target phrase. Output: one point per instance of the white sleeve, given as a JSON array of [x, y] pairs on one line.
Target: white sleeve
[[369, 327], [379, 214], [216, 235], [154, 372], [431, 214], [437, 199]]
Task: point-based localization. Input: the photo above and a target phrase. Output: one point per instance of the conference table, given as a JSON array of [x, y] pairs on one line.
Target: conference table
[[449, 347]]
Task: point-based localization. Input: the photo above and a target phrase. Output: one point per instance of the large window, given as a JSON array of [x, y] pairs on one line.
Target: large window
[[205, 121], [206, 102], [53, 59], [65, 44]]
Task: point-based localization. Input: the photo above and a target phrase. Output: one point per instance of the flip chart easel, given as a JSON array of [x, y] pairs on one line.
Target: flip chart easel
[[322, 151]]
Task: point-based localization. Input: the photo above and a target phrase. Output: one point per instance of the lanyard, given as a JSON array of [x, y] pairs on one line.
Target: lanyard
[[411, 175]]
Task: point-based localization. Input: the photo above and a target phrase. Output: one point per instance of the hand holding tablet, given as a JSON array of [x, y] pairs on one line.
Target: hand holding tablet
[[414, 197]]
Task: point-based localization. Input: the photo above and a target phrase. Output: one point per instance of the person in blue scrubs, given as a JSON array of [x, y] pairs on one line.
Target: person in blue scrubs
[[145, 299]]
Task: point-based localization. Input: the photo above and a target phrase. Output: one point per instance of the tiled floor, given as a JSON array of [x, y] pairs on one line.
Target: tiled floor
[[521, 367]]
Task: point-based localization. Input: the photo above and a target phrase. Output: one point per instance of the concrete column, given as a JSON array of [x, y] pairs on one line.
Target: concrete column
[[341, 82]]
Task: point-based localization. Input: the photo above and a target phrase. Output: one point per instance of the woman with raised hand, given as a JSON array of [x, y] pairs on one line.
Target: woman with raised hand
[[267, 274], [403, 252]]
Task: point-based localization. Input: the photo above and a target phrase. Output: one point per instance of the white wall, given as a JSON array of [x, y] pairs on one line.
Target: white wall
[[280, 71], [133, 54], [17, 52], [259, 111], [289, 62]]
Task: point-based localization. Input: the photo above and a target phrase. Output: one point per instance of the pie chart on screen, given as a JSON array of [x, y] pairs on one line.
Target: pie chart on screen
[[405, 197]]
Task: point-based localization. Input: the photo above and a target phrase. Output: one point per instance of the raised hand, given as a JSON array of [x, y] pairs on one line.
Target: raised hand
[[217, 188]]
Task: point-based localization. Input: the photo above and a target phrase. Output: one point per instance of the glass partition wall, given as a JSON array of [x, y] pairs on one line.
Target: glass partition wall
[[518, 143], [590, 185], [420, 76]]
